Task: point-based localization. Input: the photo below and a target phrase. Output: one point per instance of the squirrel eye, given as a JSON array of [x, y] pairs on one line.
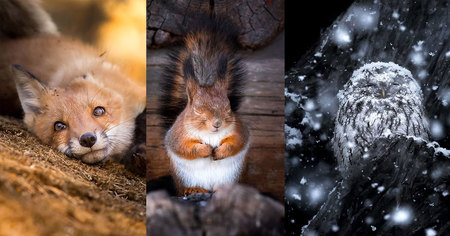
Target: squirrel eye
[[58, 126], [99, 111]]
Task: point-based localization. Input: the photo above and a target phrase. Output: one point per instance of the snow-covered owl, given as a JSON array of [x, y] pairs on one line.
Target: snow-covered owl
[[380, 100]]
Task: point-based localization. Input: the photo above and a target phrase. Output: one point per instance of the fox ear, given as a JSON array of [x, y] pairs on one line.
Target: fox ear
[[30, 89]]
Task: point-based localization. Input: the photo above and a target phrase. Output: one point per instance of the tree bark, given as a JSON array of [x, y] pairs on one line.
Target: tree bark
[[402, 173], [232, 210], [259, 20]]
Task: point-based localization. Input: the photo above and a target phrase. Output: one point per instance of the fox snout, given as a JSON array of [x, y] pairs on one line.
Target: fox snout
[[88, 139]]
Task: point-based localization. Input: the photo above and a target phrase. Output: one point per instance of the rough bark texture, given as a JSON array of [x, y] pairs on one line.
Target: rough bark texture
[[411, 174], [260, 21], [232, 210]]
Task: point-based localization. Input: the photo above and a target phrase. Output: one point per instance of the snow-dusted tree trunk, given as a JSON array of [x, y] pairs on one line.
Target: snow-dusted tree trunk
[[403, 187]]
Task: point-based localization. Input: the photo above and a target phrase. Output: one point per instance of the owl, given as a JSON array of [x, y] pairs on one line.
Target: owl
[[380, 100]]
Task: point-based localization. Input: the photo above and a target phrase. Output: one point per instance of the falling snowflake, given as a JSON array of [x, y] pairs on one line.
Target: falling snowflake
[[402, 216]]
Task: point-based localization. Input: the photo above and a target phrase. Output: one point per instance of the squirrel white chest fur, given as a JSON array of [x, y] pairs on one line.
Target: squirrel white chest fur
[[206, 172]]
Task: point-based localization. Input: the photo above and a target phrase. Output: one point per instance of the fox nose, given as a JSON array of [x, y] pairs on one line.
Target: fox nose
[[88, 140]]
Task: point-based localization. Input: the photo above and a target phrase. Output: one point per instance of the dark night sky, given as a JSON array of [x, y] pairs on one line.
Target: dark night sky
[[304, 22]]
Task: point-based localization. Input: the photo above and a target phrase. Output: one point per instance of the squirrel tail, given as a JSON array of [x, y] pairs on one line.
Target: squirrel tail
[[24, 18], [207, 54]]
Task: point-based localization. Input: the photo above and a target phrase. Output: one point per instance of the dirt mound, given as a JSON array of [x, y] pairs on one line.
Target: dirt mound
[[44, 192]]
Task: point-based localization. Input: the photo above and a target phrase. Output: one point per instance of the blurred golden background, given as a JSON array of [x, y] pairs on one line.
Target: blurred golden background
[[117, 27]]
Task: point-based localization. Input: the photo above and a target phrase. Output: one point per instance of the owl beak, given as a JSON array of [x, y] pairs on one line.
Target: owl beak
[[383, 93]]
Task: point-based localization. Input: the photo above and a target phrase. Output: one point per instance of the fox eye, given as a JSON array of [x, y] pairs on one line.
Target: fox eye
[[58, 126], [99, 111]]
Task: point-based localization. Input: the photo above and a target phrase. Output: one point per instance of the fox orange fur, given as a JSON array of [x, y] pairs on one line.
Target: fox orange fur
[[71, 97]]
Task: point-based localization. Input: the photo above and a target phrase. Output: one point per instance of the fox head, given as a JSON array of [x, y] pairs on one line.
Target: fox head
[[84, 120]]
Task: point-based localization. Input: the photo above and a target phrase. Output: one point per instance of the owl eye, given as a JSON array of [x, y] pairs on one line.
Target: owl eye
[[58, 126], [99, 111]]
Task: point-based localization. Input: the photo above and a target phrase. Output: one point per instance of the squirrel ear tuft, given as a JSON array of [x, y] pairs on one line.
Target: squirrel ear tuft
[[188, 69], [29, 88], [189, 79], [191, 89], [222, 67]]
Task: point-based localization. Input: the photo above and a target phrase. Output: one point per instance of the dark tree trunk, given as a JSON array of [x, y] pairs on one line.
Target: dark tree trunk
[[404, 174], [232, 210], [259, 20]]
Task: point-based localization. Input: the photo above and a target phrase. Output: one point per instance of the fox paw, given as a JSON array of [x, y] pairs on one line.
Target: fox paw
[[191, 190], [135, 159]]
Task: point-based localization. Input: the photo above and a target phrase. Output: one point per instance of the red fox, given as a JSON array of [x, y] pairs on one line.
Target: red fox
[[208, 142], [72, 99]]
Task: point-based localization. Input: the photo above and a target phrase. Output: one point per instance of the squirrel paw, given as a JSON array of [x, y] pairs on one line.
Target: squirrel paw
[[221, 152], [192, 190], [203, 150]]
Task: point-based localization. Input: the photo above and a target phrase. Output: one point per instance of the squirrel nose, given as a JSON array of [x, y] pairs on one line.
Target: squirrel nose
[[217, 124], [88, 139]]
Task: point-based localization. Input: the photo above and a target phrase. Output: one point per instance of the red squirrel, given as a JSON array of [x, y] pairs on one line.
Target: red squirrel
[[208, 142]]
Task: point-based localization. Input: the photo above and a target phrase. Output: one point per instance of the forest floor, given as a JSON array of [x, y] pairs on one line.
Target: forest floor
[[44, 192]]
